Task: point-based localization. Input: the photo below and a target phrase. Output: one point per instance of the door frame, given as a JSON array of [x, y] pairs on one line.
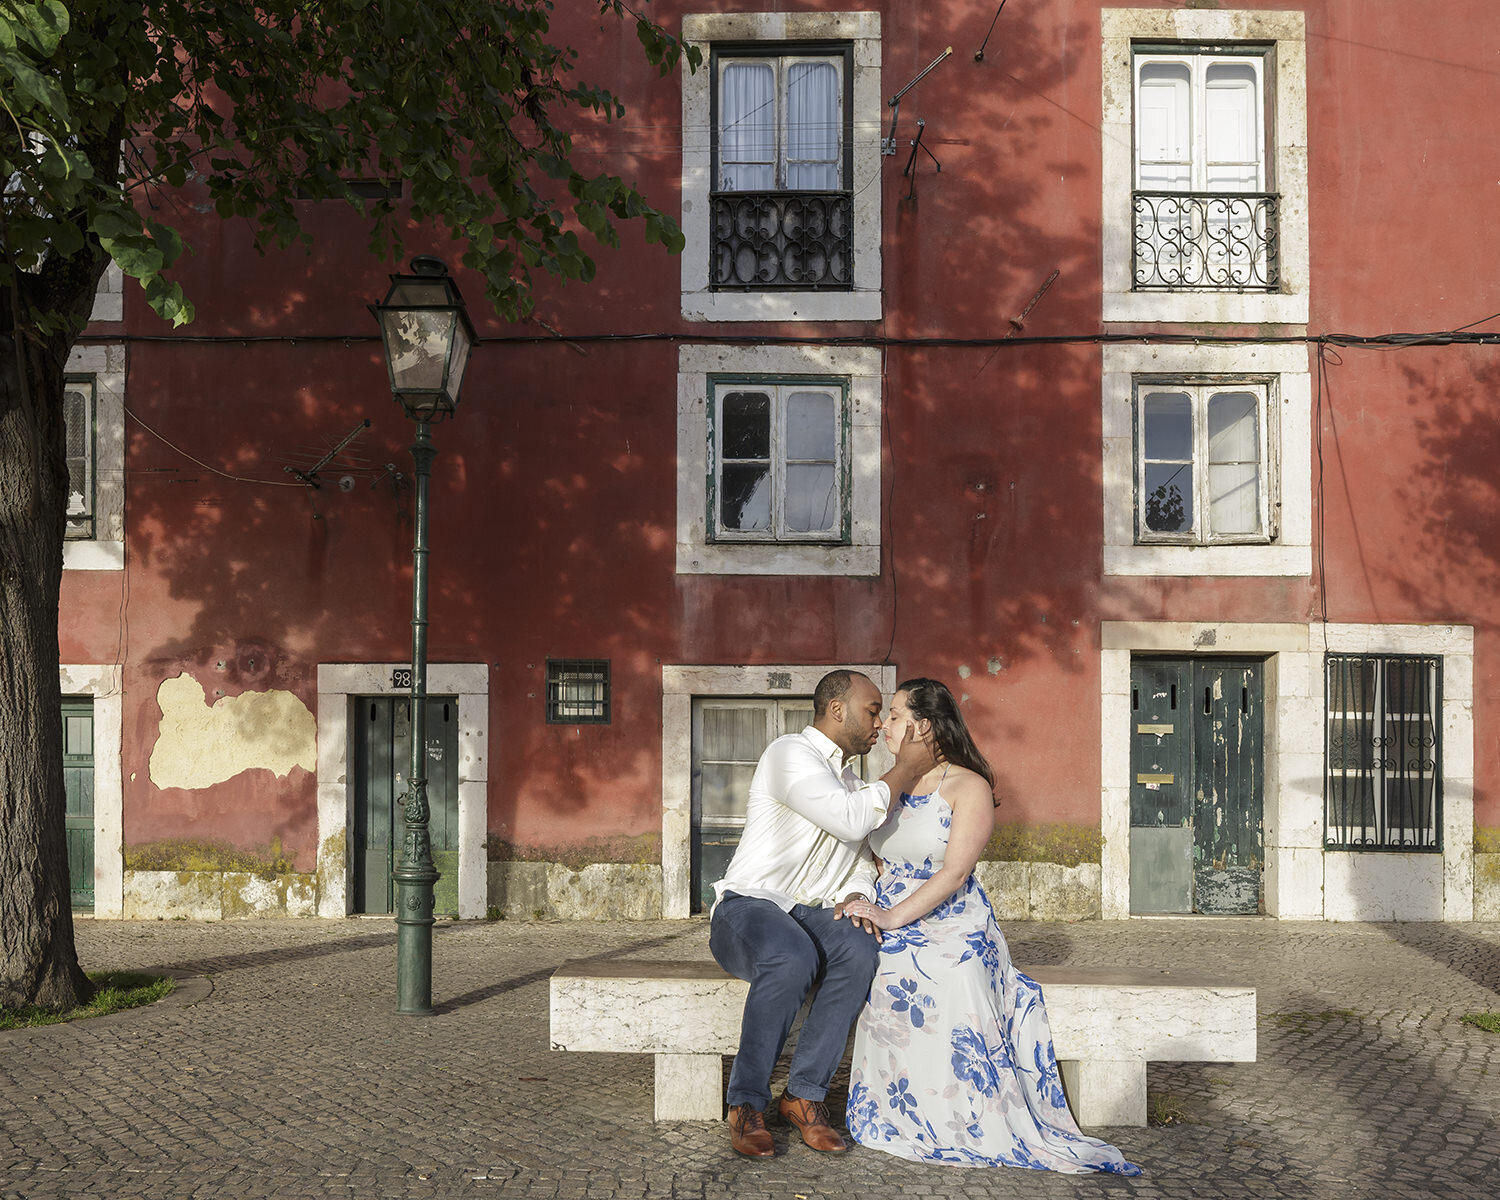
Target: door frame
[[339, 684], [679, 685]]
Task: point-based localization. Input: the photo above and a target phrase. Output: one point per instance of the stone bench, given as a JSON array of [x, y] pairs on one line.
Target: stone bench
[[1107, 1024]]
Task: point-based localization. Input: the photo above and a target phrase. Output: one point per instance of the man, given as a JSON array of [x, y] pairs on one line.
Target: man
[[778, 918]]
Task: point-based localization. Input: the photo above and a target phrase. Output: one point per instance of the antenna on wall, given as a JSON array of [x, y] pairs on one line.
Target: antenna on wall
[[979, 54], [888, 143]]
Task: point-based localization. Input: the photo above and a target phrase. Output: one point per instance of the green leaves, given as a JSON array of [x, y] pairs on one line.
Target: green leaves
[[249, 110]]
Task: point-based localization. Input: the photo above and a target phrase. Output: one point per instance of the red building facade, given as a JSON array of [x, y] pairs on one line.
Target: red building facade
[[1111, 423]]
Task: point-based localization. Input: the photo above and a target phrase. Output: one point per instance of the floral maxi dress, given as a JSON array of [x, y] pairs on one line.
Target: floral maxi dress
[[953, 1059]]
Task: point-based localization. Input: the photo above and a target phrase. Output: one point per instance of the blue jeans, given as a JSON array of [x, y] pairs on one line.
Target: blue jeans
[[782, 955]]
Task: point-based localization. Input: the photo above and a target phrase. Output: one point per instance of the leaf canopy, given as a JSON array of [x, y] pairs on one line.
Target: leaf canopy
[[466, 102]]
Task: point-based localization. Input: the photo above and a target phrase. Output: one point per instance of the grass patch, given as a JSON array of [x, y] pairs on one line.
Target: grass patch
[[1488, 1021], [116, 991], [1165, 1109]]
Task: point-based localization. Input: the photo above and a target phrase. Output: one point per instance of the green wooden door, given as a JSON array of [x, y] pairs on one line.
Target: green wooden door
[[1196, 796], [78, 785], [382, 759], [1228, 766]]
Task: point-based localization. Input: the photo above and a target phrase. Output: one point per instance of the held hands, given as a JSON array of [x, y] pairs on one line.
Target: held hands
[[868, 915], [846, 908]]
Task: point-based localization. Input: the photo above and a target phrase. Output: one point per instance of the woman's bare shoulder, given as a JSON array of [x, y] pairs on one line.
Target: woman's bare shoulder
[[964, 785]]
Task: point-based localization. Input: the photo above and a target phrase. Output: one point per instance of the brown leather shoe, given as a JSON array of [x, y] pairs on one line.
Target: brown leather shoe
[[748, 1135], [811, 1119]]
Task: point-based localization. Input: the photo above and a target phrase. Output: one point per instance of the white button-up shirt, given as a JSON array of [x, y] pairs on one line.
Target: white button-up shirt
[[805, 826]]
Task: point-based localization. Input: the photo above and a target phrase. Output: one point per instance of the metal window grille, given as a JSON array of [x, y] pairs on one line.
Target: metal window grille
[[578, 691], [1198, 241], [783, 240], [1383, 788]]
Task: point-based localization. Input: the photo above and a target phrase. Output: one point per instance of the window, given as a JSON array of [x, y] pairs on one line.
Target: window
[[1203, 216], [1201, 462], [1205, 167], [577, 691], [729, 736], [1195, 485], [94, 421], [779, 460], [78, 421], [781, 167], [782, 208], [1383, 788]]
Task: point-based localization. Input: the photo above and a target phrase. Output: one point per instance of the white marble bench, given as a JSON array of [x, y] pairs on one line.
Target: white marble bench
[[1107, 1024]]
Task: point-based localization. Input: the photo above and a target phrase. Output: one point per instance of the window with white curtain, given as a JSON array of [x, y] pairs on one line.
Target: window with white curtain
[[1204, 467], [780, 122], [1200, 121], [778, 469]]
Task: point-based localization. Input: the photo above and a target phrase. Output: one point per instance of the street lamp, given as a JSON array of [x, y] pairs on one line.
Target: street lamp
[[427, 337]]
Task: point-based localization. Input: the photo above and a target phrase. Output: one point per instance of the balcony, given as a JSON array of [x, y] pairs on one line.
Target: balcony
[[783, 240], [1204, 241]]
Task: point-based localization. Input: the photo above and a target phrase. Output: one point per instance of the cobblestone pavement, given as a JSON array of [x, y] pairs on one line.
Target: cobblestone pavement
[[280, 1070]]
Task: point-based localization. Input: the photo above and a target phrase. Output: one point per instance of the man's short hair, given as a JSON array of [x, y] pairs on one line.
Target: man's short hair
[[835, 685]]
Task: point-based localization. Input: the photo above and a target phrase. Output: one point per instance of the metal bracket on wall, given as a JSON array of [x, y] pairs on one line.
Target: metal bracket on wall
[[888, 143]]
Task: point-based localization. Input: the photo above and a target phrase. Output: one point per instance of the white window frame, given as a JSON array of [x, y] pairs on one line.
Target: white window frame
[[1200, 390], [699, 553], [1289, 437], [861, 30], [104, 550], [778, 390], [1284, 139]]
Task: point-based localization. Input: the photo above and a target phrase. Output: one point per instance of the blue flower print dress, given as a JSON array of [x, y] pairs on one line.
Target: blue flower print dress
[[953, 1059]]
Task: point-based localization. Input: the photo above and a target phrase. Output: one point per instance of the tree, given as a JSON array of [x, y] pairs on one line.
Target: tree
[[258, 104]]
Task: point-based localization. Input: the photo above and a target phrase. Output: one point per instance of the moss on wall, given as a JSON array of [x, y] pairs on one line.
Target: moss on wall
[[642, 849], [1486, 841], [1069, 845], [188, 854]]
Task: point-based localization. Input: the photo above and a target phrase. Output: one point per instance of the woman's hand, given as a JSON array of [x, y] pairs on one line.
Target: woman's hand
[[868, 910]]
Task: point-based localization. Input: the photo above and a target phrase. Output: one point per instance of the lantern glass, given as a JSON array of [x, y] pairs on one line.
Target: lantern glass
[[427, 338]]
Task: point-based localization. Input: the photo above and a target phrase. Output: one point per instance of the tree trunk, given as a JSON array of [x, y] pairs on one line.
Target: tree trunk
[[38, 962]]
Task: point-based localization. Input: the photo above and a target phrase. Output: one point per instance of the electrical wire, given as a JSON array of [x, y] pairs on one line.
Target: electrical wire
[[198, 461]]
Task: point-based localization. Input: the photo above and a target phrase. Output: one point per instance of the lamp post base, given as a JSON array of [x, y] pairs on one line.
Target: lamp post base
[[414, 904]]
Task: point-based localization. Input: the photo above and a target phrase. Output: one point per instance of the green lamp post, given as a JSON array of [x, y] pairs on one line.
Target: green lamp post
[[427, 337]]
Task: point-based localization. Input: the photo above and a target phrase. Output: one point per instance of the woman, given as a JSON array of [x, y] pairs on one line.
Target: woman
[[953, 1059]]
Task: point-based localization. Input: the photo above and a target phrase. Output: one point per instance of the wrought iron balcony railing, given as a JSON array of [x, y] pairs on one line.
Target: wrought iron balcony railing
[[783, 240], [1206, 241]]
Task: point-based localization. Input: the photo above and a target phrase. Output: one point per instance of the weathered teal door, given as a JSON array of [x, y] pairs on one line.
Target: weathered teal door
[[78, 785], [382, 762], [1196, 796]]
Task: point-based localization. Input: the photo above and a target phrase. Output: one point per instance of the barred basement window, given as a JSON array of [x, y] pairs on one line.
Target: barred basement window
[[1384, 783], [578, 691]]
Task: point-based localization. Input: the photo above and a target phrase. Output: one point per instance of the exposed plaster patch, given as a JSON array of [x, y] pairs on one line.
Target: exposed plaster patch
[[201, 745]]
